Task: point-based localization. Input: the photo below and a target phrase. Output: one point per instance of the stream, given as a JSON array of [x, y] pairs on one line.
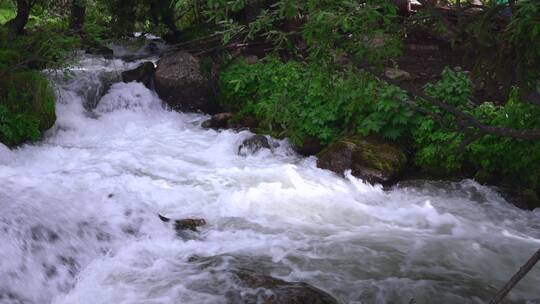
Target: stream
[[79, 220]]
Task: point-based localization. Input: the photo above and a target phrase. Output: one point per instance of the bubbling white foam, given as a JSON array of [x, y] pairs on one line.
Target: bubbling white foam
[[127, 96]]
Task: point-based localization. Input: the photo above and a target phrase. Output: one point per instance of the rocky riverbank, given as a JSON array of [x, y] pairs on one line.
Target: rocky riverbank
[[188, 83]]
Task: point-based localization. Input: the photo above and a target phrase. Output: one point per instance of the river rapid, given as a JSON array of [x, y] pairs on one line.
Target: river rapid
[[79, 217]]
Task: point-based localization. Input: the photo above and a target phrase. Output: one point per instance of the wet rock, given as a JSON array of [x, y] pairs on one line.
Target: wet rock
[[180, 82], [530, 198], [218, 121], [50, 270], [70, 264], [42, 233], [152, 48], [253, 145], [372, 159], [251, 283], [93, 92], [184, 224], [100, 50], [188, 224], [397, 74], [282, 291], [144, 73], [310, 146], [9, 297]]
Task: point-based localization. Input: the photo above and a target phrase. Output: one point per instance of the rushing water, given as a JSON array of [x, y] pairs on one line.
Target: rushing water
[[79, 215]]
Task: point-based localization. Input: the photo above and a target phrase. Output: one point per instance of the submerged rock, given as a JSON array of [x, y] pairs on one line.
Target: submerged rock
[[218, 121], [371, 159], [279, 291], [100, 50], [9, 297], [180, 82], [253, 145], [143, 73], [251, 284]]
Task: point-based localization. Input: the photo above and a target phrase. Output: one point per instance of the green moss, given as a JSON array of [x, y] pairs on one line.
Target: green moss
[[26, 107], [371, 158]]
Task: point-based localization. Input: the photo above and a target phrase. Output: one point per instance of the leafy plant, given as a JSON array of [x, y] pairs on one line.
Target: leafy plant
[[26, 107], [306, 100]]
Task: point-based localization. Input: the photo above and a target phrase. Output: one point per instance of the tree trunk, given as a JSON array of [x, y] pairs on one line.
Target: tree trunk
[[78, 13], [403, 6], [17, 24]]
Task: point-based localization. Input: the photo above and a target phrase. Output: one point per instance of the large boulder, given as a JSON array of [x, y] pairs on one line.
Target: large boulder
[[372, 159], [251, 282], [180, 82], [143, 73]]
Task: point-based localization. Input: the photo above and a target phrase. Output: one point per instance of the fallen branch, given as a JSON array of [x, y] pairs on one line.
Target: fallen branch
[[516, 278]]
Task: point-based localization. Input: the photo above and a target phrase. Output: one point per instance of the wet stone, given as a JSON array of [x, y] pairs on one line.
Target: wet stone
[[50, 270], [103, 236], [9, 297], [42, 233], [188, 224], [70, 263], [252, 285], [254, 144]]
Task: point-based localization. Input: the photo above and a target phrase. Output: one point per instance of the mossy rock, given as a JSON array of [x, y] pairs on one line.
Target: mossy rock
[[484, 177], [531, 198], [26, 107], [372, 159]]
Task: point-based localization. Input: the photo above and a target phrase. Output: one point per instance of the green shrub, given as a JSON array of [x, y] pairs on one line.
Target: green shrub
[[45, 47], [437, 143], [26, 107], [306, 100], [440, 149], [300, 100]]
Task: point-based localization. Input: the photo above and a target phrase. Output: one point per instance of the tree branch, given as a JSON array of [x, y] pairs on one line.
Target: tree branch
[[522, 272]]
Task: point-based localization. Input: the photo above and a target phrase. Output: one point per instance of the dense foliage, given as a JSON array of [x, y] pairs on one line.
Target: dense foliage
[[26, 107], [298, 101]]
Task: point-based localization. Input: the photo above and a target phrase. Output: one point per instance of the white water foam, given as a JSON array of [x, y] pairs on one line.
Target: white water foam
[[79, 216]]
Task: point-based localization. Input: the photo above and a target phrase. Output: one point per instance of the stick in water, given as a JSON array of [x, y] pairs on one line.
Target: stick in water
[[516, 278]]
